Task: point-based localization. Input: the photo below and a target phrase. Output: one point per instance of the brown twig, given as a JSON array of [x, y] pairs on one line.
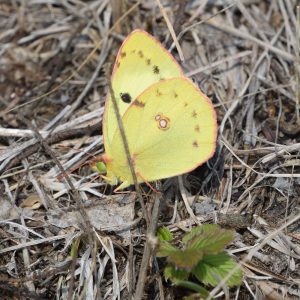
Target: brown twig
[[58, 87], [74, 193], [148, 249], [127, 151], [53, 139]]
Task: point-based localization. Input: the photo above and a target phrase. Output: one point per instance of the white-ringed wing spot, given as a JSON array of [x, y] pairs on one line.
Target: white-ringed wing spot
[[162, 121], [157, 117]]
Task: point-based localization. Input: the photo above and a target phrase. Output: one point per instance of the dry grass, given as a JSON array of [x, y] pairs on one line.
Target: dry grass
[[72, 238]]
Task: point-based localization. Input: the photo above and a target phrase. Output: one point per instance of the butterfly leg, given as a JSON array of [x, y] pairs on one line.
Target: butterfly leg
[[122, 186], [147, 183]]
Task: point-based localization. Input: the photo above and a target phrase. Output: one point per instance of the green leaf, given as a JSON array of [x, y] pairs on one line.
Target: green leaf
[[193, 286], [74, 248], [164, 234], [213, 268], [99, 167], [165, 249], [187, 258], [173, 273], [209, 237]]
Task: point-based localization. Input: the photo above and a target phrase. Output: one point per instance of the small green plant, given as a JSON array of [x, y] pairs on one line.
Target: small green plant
[[201, 257]]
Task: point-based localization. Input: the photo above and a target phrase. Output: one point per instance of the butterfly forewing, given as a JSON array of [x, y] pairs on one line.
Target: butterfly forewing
[[141, 61]]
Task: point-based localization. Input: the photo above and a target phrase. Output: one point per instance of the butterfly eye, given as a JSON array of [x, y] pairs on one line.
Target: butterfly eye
[[125, 97]]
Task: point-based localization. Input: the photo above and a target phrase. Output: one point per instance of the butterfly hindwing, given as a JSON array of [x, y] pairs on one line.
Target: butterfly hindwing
[[171, 129]]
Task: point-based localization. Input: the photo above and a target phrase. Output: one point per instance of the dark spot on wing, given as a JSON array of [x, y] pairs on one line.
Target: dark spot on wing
[[195, 144], [156, 69], [141, 54], [138, 103], [123, 54], [125, 97], [158, 93], [148, 61]]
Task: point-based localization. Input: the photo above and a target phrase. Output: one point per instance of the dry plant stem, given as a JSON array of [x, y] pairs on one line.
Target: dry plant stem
[[85, 222], [186, 29], [234, 105], [159, 280], [36, 242], [90, 83], [81, 65], [298, 66], [170, 27], [269, 291], [62, 58], [246, 36], [214, 65], [130, 272], [26, 258], [74, 192], [251, 253], [18, 293], [179, 16], [54, 138], [73, 268], [94, 257], [269, 186], [127, 152], [186, 202], [148, 248], [268, 174], [117, 7]]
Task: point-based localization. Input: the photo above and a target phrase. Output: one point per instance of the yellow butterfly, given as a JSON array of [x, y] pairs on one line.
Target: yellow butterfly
[[170, 125]]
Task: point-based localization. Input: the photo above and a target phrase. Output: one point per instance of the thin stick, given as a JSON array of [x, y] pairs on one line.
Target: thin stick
[[127, 151], [81, 65], [170, 27], [251, 253], [298, 65], [244, 35], [147, 250], [186, 29]]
